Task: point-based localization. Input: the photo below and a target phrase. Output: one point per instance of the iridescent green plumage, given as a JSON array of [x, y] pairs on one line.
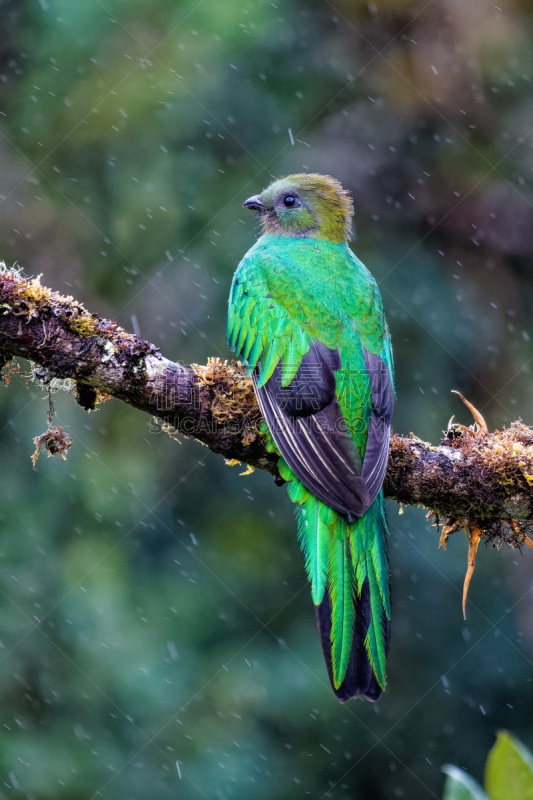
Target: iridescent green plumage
[[301, 299]]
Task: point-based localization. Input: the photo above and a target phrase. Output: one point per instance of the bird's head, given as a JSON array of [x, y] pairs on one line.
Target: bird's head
[[305, 205]]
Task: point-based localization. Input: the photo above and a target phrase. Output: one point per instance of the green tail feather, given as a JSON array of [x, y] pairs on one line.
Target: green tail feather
[[341, 587], [314, 523], [340, 556], [378, 552], [314, 535], [375, 639]]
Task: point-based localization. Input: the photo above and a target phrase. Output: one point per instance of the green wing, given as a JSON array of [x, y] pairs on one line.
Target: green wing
[[260, 327]]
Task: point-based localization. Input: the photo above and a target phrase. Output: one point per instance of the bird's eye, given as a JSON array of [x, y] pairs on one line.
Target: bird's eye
[[289, 201]]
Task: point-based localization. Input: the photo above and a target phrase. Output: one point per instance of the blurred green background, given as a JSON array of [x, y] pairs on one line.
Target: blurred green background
[[153, 603]]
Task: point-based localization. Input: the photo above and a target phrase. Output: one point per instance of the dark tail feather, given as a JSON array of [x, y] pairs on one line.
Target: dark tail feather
[[359, 680]]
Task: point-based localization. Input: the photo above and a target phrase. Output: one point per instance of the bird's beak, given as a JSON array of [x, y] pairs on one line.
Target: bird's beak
[[254, 203]]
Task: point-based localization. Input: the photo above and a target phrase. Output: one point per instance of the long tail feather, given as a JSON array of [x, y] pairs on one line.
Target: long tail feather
[[314, 535], [348, 568], [340, 590]]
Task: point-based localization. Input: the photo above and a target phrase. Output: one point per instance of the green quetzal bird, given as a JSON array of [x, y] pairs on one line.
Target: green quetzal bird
[[306, 316]]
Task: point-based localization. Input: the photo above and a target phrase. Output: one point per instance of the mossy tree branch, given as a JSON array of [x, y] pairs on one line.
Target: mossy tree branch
[[471, 475]]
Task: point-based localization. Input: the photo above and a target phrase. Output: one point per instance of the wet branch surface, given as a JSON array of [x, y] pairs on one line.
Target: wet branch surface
[[473, 475]]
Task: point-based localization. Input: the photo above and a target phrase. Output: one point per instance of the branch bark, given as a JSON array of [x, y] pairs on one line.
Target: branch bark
[[470, 475]]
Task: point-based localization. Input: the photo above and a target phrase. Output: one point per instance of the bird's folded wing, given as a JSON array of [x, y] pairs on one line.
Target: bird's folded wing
[[307, 424], [295, 383]]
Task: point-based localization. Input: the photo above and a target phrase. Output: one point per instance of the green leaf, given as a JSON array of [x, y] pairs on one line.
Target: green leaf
[[460, 786], [509, 770]]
